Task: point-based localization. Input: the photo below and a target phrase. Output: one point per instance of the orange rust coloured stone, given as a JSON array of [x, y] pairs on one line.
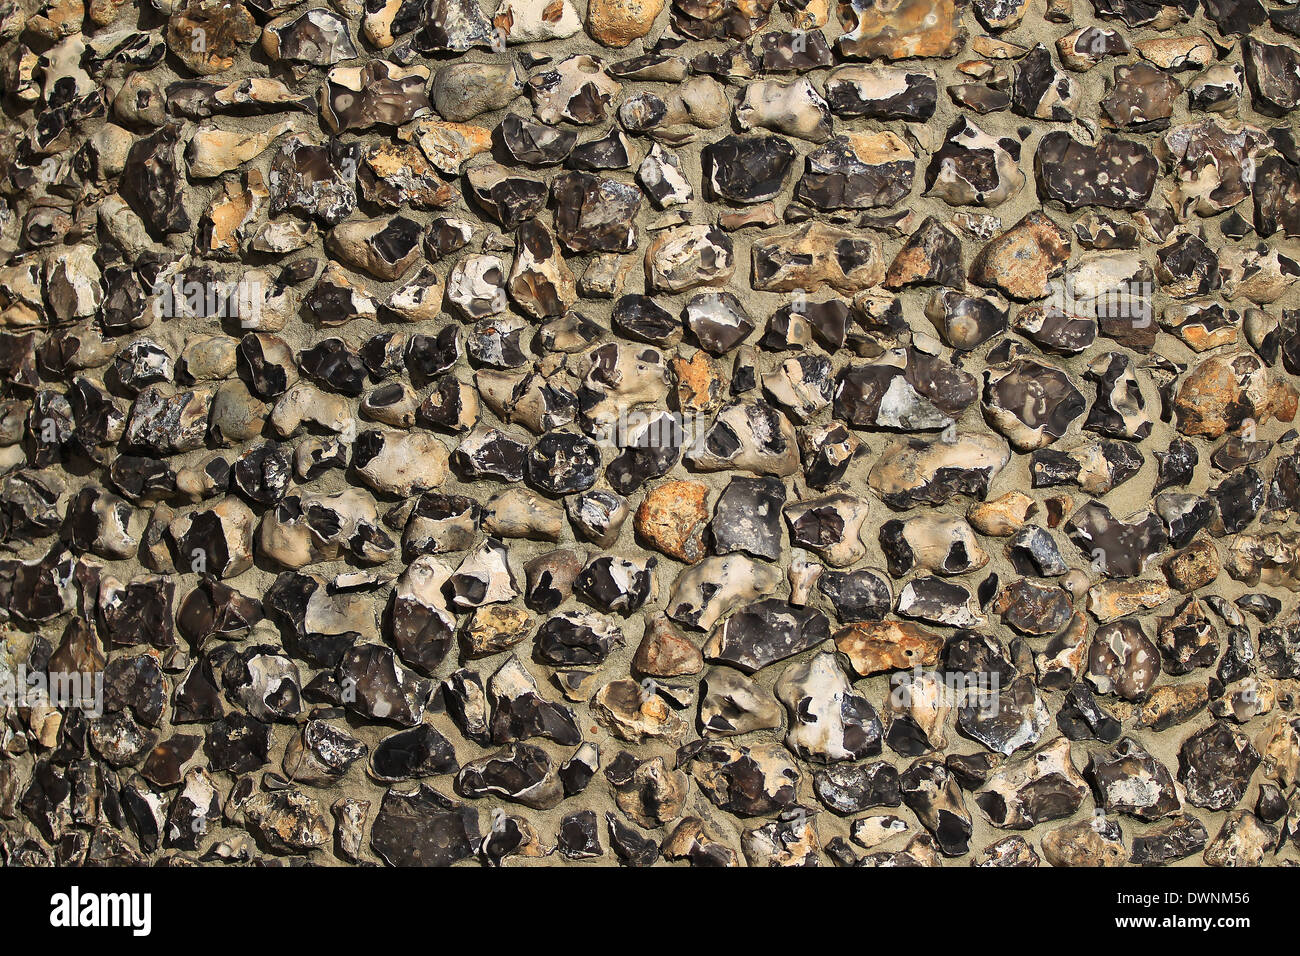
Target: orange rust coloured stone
[[664, 652], [616, 23], [899, 29], [206, 35], [699, 386], [876, 646], [1224, 392], [672, 519], [1023, 260]]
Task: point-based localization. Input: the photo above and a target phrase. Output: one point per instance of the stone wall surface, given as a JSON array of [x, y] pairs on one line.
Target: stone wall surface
[[677, 432]]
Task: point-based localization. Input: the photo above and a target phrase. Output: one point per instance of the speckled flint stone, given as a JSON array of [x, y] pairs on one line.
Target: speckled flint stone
[[650, 432]]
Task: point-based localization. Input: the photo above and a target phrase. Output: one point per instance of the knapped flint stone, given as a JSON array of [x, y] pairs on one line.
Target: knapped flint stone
[[1118, 410], [638, 712], [732, 704], [1215, 766], [661, 177], [1175, 840], [411, 754], [1032, 550], [521, 773], [1220, 393], [384, 248], [598, 516], [152, 186], [1096, 467], [1232, 149], [851, 788], [931, 792], [747, 517], [1130, 780], [916, 471], [376, 686], [718, 321], [318, 37], [1040, 90], [1031, 402], [1017, 719], [612, 151], [1279, 649], [972, 167], [1238, 499], [1243, 841], [794, 108], [747, 169], [508, 199], [764, 632], [881, 93], [593, 214], [1188, 267], [578, 838], [1141, 99], [571, 639], [749, 781], [561, 463], [1081, 717], [828, 722], [827, 452], [163, 422], [1043, 786], [550, 577], [321, 754], [687, 257], [857, 171], [831, 526], [536, 144], [935, 601], [861, 595], [194, 811], [815, 255], [1270, 69], [1098, 842], [491, 453], [1119, 549], [374, 94], [519, 712], [931, 256], [1023, 262], [237, 743], [922, 28], [423, 828], [747, 436], [1012, 851], [1122, 660], [873, 647], [1187, 639], [904, 389], [936, 543], [1114, 174]]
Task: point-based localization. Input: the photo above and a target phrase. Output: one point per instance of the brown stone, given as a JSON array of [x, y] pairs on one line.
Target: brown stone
[[899, 29], [664, 652], [616, 23], [876, 646], [1194, 566], [1023, 261], [672, 519], [1222, 392]]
